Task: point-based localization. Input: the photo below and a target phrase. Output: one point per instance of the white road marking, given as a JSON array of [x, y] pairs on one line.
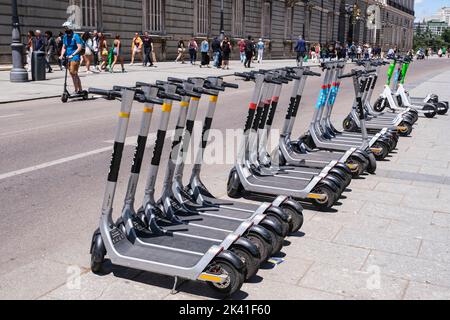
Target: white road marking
[[128, 142], [11, 115]]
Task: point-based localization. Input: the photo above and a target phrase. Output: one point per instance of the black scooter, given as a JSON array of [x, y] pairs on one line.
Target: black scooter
[[66, 94]]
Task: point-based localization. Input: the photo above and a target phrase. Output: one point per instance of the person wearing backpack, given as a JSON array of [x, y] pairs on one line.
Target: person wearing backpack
[[249, 50]]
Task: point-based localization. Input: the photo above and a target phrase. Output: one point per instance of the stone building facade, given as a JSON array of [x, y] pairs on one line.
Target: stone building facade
[[279, 22]]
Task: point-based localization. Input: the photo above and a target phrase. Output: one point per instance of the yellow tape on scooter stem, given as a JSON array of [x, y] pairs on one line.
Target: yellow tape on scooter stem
[[124, 115], [148, 110], [184, 104], [166, 107], [195, 99], [213, 98]]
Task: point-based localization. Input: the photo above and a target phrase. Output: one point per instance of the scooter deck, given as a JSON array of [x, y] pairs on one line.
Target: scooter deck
[[158, 254]]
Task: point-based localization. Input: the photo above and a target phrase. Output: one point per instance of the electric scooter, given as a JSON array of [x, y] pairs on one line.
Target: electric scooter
[[223, 270], [66, 94]]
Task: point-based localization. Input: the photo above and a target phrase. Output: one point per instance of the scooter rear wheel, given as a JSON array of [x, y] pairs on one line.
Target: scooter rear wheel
[[234, 280], [330, 199], [296, 218], [251, 263], [384, 150], [64, 97], [265, 248], [430, 111], [442, 108]]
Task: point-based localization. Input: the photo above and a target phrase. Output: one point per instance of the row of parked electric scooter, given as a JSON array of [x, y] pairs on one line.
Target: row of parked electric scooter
[[187, 232]]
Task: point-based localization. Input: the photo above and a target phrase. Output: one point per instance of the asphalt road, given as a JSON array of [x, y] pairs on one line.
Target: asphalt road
[[54, 159]]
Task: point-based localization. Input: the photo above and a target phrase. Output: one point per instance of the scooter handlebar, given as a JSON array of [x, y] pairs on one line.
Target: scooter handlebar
[[108, 94], [120, 88]]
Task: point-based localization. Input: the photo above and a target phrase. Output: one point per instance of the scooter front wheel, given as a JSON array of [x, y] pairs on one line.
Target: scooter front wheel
[[234, 186], [251, 263], [380, 105], [98, 253]]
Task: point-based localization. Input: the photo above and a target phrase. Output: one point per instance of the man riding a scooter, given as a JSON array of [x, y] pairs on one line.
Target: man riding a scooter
[[71, 50]]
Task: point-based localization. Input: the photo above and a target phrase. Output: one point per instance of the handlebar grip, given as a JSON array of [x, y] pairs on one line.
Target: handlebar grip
[[164, 95], [230, 85], [101, 92], [176, 80]]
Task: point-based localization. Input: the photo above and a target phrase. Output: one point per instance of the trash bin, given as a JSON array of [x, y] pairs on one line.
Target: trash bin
[[38, 66]]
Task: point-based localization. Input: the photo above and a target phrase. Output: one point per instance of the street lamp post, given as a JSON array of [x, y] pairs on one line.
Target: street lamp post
[[18, 73], [222, 31]]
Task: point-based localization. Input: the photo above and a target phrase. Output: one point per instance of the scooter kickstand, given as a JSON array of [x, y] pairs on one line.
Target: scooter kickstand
[[177, 285]]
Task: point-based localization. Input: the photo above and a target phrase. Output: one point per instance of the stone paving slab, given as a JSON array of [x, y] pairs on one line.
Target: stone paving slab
[[425, 291], [355, 284]]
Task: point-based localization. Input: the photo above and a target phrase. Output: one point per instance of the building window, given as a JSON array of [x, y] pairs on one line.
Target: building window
[[153, 16], [201, 21], [288, 17], [238, 18], [266, 19], [83, 13]]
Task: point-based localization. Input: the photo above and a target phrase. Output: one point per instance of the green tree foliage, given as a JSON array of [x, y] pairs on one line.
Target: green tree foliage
[[426, 39]]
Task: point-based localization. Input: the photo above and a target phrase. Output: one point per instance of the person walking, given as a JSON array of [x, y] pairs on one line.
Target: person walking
[[95, 49], [249, 50], [88, 52], [72, 47], [29, 47], [51, 49], [359, 51], [181, 48], [260, 49], [147, 43], [103, 48], [38, 41], [204, 49], [117, 51], [217, 52], [300, 49], [440, 53], [226, 51], [136, 48], [59, 45], [193, 47], [241, 45]]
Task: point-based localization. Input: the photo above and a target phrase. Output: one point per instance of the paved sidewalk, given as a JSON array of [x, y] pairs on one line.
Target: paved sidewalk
[[389, 239], [53, 86]]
